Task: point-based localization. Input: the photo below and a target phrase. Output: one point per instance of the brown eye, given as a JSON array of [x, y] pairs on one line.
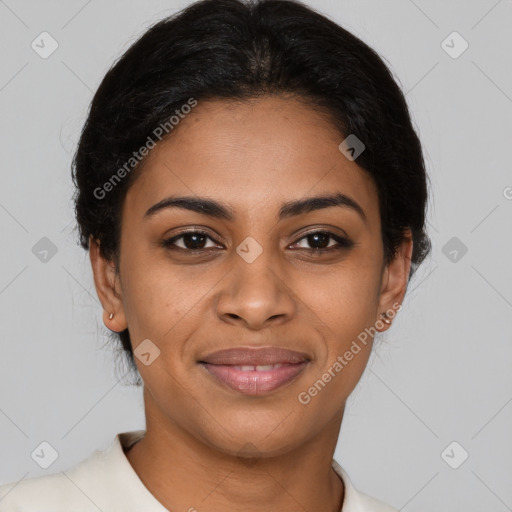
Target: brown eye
[[190, 241], [321, 241]]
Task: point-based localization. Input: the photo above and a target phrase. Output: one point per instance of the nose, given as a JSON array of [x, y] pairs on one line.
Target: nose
[[255, 294]]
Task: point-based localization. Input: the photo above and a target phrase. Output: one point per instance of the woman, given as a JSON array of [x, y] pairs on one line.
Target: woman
[[252, 194]]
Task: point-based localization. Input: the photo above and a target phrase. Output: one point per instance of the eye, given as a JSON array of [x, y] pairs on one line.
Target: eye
[[319, 240], [195, 241], [190, 241]]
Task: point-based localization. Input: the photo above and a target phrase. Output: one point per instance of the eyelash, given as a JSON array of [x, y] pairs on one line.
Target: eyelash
[[343, 243]]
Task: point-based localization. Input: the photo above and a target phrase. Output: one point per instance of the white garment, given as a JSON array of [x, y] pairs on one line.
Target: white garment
[[106, 482]]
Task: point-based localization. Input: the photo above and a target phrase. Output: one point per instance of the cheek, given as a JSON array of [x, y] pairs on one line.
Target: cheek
[[344, 296], [343, 310], [147, 290], [160, 301], [342, 304]]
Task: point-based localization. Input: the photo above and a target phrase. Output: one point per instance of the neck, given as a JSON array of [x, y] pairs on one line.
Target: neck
[[183, 472]]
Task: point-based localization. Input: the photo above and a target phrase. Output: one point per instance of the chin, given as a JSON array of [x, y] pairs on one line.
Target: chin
[[244, 435]]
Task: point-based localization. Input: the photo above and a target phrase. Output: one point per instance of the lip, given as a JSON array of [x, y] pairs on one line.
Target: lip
[[226, 366], [243, 356]]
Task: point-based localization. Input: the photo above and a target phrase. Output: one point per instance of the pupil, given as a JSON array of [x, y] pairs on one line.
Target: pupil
[[197, 240], [312, 239]]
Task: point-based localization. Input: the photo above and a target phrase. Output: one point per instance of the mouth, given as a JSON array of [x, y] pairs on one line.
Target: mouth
[[253, 371]]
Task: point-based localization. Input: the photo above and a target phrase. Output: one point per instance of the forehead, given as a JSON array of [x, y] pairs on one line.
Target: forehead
[[250, 153]]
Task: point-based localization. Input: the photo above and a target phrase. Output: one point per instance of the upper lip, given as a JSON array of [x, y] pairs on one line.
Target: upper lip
[[255, 356]]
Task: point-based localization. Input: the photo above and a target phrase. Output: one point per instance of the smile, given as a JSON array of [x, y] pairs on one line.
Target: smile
[[255, 380], [254, 370]]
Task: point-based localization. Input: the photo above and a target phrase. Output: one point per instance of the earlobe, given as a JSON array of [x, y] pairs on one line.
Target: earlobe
[[112, 323], [394, 281], [105, 277]]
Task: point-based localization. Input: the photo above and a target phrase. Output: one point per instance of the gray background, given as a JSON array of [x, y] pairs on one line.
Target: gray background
[[441, 374]]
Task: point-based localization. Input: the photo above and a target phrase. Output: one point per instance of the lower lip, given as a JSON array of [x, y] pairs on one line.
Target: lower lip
[[254, 382]]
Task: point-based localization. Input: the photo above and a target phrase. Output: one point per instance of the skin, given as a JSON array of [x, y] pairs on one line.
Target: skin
[[207, 446]]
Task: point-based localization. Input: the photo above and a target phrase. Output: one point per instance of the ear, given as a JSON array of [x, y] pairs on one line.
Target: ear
[[395, 278], [106, 281]]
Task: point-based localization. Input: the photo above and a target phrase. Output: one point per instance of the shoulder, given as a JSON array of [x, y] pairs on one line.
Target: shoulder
[[95, 483], [356, 501], [54, 492]]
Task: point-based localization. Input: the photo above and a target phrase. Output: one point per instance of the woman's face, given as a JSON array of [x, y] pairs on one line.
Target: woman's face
[[254, 276]]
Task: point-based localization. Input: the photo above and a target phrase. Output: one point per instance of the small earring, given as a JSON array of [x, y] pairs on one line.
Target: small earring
[[111, 316], [385, 318]]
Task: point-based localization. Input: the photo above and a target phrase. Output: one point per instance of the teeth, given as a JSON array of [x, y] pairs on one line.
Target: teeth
[[259, 368]]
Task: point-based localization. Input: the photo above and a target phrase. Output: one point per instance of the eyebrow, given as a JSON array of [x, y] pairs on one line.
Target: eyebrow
[[289, 209]]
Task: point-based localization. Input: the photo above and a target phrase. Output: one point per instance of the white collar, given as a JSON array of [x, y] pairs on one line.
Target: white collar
[[106, 481], [353, 501]]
